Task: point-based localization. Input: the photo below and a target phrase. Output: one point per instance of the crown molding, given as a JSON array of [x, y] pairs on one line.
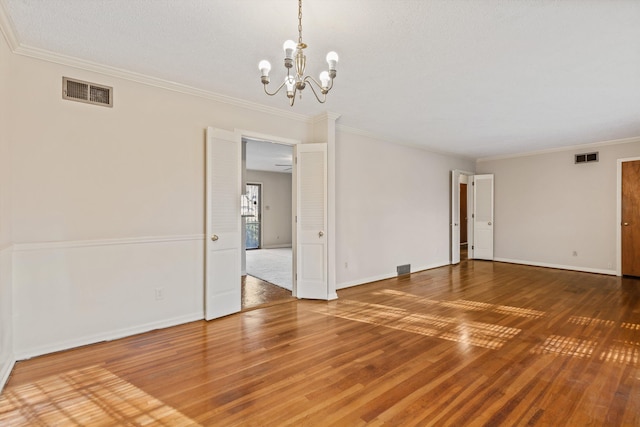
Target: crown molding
[[85, 65], [7, 28], [561, 149], [326, 115]]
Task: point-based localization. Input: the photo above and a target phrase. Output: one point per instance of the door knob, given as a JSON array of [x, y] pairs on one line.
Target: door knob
[[214, 238], [321, 233], [626, 224], [489, 222]]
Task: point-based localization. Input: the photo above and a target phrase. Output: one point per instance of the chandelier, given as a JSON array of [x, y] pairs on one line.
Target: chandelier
[[297, 82]]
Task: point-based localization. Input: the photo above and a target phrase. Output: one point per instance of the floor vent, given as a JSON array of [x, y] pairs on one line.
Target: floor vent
[[90, 93], [403, 269], [587, 157]]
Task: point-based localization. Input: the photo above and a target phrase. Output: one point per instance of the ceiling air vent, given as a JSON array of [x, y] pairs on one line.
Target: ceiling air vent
[[90, 93], [587, 157]]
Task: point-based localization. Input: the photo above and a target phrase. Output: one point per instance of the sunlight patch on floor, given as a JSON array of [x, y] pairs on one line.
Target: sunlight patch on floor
[[566, 346], [89, 396], [478, 334], [627, 353], [580, 320], [467, 305]]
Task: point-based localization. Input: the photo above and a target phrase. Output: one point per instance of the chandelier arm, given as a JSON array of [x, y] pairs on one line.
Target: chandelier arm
[[324, 91], [277, 90], [310, 79], [293, 98]]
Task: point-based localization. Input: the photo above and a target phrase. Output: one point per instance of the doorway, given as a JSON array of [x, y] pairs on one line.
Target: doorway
[[471, 215], [268, 256], [630, 218], [313, 190], [464, 220]]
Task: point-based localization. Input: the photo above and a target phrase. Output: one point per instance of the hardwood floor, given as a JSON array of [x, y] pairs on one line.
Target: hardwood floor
[[258, 293], [480, 343]]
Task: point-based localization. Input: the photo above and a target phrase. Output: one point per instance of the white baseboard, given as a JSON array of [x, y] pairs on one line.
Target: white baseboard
[[366, 280], [558, 266], [108, 336], [363, 281], [285, 245], [7, 367]]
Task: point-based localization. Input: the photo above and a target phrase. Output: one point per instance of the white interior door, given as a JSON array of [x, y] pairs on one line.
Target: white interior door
[[223, 239], [482, 217], [311, 222], [455, 217]]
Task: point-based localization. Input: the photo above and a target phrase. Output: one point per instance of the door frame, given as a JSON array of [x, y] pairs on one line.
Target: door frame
[[243, 133], [619, 212], [454, 238]]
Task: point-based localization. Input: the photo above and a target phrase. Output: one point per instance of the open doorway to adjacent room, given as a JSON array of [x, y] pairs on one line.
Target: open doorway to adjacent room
[[266, 209], [464, 219]]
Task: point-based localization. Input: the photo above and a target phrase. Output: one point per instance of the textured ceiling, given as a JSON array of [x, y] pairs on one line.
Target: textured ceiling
[[476, 78]]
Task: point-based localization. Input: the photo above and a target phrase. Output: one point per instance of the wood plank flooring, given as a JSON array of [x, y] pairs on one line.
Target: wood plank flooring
[[475, 344], [258, 293]]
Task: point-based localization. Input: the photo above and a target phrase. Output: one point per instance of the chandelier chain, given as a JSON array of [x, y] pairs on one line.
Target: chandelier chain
[[299, 22]]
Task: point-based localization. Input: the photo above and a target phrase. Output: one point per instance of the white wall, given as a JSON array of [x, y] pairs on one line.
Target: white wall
[[393, 208], [108, 204], [276, 200], [6, 323], [547, 207]]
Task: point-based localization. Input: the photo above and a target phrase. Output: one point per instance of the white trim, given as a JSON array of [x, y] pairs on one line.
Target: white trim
[[372, 279], [7, 28], [23, 247], [108, 336], [619, 163], [45, 55], [8, 367], [560, 149], [282, 246], [364, 281], [266, 138], [557, 266], [7, 364], [323, 117]]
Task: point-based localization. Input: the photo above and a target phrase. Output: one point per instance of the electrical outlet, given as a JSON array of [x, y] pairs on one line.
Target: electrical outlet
[[346, 264], [159, 294]]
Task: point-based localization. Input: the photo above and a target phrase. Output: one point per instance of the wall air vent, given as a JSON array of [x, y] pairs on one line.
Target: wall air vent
[[587, 157], [90, 93], [403, 269]]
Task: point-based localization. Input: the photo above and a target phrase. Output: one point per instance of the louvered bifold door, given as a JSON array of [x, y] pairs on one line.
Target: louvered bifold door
[[311, 222], [223, 243]]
